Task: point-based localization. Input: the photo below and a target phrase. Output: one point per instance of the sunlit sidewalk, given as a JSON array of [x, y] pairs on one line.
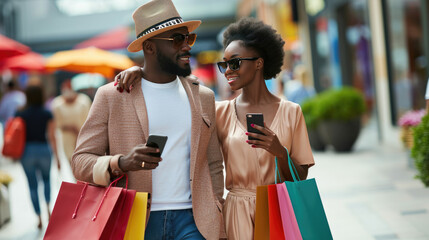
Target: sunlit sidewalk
[[23, 223], [369, 193]]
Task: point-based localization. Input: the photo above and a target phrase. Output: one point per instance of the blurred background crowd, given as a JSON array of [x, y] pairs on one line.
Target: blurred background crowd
[[378, 48]]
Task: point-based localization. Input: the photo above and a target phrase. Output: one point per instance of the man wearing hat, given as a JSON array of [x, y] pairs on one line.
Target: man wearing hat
[[186, 183]]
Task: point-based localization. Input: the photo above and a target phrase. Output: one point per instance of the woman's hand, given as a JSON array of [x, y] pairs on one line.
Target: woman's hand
[[125, 79], [269, 141]]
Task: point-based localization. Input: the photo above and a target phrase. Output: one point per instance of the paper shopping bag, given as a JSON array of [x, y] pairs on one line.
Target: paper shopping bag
[[137, 221], [82, 211], [262, 225], [276, 226], [307, 206], [118, 221], [14, 138], [290, 225]]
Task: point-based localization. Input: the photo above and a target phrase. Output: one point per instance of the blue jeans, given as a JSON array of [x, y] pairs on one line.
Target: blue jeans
[[37, 158], [172, 225]]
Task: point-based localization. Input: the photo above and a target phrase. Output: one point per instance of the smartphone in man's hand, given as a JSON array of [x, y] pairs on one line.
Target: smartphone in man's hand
[[257, 119], [157, 141]]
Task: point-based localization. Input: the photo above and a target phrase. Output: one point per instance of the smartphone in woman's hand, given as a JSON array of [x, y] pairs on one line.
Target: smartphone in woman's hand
[[254, 118]]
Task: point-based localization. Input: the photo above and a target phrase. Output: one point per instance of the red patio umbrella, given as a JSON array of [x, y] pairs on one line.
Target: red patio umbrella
[[30, 61], [115, 39], [9, 47]]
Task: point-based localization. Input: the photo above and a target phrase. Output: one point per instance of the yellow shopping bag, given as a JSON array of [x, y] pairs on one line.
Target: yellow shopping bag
[[137, 221]]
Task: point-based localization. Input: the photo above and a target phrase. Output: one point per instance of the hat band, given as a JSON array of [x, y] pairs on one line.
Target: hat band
[[161, 25]]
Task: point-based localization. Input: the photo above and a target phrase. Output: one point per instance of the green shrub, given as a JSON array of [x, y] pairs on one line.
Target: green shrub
[[308, 108], [340, 104], [420, 150]]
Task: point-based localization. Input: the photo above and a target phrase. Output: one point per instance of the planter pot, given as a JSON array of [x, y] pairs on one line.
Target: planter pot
[[340, 134], [407, 136], [316, 142]]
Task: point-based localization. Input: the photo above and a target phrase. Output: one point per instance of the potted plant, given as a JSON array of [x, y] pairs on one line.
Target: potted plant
[[308, 108], [339, 113], [420, 150], [407, 121]]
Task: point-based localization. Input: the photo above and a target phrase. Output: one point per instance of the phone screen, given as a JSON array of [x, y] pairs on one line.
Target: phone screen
[[157, 141], [254, 118]]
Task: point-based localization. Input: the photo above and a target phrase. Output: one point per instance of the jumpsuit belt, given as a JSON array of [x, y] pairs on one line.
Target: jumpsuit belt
[[239, 192]]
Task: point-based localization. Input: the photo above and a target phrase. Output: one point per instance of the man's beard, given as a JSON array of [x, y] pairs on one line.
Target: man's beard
[[171, 67]]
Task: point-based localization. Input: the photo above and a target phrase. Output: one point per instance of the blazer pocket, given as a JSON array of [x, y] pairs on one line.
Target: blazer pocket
[[206, 120]]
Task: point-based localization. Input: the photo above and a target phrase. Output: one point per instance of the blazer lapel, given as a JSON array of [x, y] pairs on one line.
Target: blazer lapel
[[140, 107], [192, 90]]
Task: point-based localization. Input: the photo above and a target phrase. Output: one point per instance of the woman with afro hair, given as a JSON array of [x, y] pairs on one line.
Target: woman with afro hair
[[253, 53]]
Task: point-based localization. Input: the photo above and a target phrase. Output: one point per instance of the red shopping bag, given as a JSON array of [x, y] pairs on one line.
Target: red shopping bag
[[84, 211], [275, 219], [120, 216], [14, 138]]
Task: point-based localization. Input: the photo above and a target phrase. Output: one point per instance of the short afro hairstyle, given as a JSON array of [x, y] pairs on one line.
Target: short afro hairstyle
[[262, 38]]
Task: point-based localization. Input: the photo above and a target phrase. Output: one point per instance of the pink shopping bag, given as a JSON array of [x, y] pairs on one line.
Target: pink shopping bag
[[290, 225]]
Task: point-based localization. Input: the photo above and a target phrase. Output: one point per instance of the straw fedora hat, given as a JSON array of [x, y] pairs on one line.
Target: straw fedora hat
[[156, 17]]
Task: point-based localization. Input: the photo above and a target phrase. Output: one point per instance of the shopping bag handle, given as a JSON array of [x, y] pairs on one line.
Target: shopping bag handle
[[119, 178], [107, 191], [292, 169], [82, 194]]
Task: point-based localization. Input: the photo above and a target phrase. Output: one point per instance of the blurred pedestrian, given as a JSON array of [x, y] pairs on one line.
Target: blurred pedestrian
[[253, 54], [11, 101], [298, 89], [70, 110], [40, 145], [186, 187]]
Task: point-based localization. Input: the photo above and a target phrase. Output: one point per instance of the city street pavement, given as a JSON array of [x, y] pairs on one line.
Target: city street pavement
[[370, 193]]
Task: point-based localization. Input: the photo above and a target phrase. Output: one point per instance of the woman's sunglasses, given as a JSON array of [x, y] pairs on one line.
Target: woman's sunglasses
[[180, 38], [234, 64]]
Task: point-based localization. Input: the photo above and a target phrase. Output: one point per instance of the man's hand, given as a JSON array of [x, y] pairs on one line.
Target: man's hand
[[58, 162], [139, 158]]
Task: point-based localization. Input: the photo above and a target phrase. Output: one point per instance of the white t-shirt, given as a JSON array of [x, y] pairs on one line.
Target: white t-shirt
[[169, 114]]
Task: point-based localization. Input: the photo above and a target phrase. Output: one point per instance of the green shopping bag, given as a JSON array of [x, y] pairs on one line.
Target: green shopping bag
[[307, 206]]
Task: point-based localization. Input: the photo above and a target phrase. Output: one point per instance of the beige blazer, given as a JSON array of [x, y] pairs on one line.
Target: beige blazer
[[118, 122]]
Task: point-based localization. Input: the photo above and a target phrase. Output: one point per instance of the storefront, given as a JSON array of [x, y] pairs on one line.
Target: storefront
[[407, 53], [343, 51], [341, 48]]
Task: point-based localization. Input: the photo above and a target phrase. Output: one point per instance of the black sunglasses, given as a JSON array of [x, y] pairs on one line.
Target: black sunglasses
[[180, 38], [234, 64]]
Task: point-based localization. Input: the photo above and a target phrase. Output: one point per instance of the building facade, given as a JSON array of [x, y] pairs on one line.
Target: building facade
[[380, 47]]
